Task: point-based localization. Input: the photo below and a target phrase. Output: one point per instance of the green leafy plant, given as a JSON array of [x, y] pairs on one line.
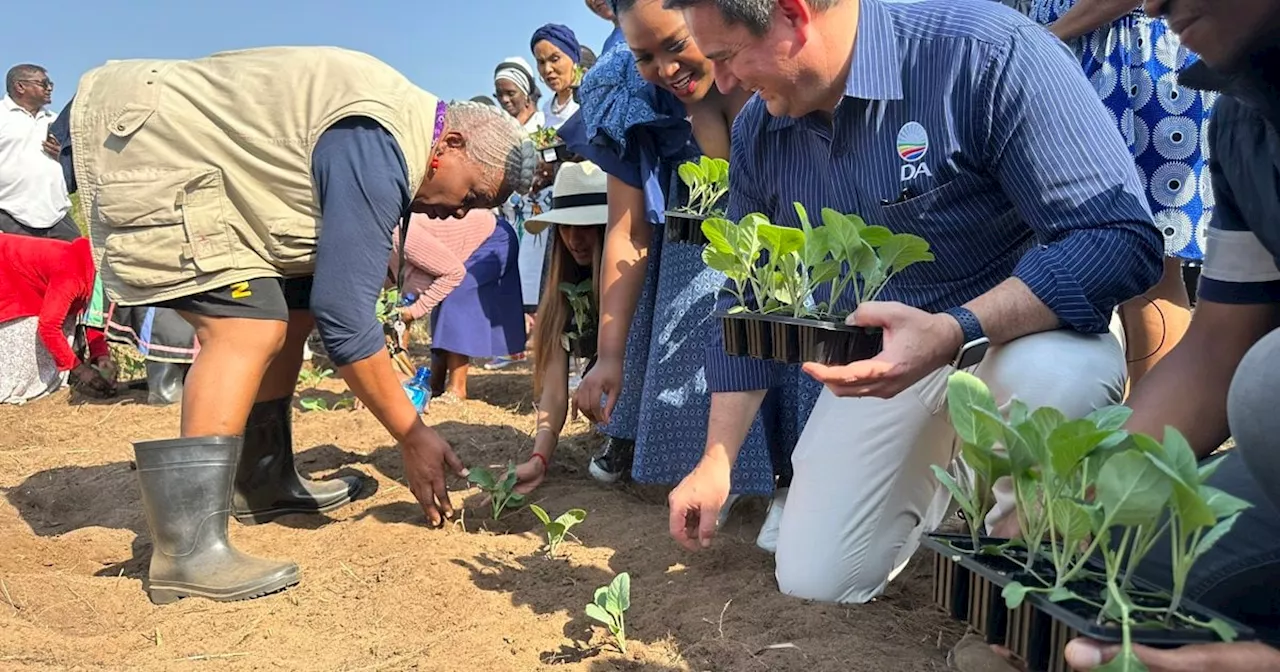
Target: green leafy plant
[[315, 404], [544, 137], [708, 182], [312, 377], [501, 492], [1086, 488], [559, 528], [579, 298], [387, 309], [783, 267], [610, 608]]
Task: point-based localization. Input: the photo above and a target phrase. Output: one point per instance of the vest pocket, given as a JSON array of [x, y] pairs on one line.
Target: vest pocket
[[292, 244], [164, 226]]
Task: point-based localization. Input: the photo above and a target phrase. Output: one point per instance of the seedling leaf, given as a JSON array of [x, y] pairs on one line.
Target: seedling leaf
[[598, 613], [1014, 594], [541, 513], [1132, 490]]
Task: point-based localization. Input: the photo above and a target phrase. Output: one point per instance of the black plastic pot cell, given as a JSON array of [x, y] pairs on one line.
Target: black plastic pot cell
[[735, 334], [950, 587], [795, 340], [983, 608], [556, 152], [683, 227], [1028, 635]]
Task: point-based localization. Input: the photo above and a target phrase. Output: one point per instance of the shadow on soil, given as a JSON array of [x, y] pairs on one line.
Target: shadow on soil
[[57, 501]]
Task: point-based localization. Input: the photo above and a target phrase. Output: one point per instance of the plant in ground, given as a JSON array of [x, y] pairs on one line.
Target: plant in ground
[[559, 528], [309, 378], [579, 298], [501, 492], [708, 182], [544, 137], [846, 253], [610, 608], [387, 309], [1086, 488], [317, 404]]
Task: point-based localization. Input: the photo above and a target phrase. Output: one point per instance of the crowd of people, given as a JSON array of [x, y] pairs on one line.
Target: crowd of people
[[1074, 165]]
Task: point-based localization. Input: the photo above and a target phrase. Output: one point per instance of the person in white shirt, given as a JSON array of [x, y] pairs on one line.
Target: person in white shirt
[[558, 54], [33, 192]]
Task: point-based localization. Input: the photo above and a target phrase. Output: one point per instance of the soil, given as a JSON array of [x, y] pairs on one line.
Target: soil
[[382, 591]]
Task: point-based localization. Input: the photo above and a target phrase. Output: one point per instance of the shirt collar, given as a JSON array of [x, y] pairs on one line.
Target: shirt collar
[[875, 66], [10, 105]]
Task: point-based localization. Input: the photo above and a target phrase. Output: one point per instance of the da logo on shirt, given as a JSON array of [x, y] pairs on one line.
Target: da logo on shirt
[[913, 144]]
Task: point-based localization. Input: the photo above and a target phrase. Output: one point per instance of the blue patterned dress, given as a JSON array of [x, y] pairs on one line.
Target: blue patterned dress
[[639, 134], [1134, 64]]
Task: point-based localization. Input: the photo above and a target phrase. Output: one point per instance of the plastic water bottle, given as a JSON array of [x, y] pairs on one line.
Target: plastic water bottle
[[419, 389]]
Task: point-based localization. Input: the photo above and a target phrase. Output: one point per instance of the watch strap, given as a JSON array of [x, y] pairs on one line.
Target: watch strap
[[969, 323]]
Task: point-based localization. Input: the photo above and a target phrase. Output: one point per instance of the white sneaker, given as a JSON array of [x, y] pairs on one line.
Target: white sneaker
[[768, 537]]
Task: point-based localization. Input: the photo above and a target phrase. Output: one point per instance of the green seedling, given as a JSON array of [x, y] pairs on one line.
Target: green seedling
[[559, 528], [1084, 488], [312, 377], [579, 298], [708, 182], [854, 259], [544, 137], [610, 608], [387, 309], [501, 492], [317, 404]]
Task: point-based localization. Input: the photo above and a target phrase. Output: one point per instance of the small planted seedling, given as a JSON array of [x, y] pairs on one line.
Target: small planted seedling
[[318, 404], [559, 528], [501, 492], [610, 608], [312, 377], [388, 306], [579, 298]]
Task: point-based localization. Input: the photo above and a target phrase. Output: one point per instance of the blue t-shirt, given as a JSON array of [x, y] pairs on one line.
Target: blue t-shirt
[[363, 188]]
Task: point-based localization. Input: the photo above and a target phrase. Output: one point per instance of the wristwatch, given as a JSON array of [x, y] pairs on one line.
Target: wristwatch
[[975, 341]]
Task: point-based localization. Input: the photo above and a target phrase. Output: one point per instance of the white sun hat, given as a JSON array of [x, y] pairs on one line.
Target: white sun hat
[[580, 197]]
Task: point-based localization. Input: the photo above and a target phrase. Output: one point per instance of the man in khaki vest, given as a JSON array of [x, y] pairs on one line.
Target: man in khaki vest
[[256, 193]]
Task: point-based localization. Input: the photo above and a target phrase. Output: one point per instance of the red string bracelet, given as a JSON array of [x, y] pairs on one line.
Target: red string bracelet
[[545, 466]]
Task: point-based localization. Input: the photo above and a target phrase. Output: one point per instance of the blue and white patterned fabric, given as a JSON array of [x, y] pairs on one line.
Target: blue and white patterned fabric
[[1134, 64], [639, 134]]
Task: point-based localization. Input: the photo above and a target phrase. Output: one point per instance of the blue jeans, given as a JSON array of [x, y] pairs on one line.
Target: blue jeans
[[60, 129]]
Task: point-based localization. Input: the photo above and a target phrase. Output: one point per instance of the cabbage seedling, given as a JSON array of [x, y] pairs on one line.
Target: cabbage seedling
[[610, 608], [579, 299], [557, 529], [544, 137], [708, 182], [500, 493]]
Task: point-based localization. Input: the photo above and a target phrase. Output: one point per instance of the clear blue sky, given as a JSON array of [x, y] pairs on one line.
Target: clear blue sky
[[448, 47]]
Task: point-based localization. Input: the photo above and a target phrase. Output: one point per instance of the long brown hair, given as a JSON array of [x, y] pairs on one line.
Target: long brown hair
[[553, 308]]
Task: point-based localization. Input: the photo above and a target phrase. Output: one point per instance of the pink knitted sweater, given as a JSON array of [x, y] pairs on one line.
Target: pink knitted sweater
[[435, 252]]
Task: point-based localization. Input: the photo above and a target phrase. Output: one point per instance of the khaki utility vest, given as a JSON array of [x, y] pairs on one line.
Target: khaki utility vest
[[196, 174]]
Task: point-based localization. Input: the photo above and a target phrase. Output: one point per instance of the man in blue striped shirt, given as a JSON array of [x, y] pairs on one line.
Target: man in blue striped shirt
[[962, 122]]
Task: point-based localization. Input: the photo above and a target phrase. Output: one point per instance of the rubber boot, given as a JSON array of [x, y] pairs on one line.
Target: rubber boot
[[186, 494], [267, 483], [164, 382]]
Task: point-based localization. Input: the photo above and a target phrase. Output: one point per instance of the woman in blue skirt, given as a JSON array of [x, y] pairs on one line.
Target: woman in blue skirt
[[649, 105], [1133, 61]]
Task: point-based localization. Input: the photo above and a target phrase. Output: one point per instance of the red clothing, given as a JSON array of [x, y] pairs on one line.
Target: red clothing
[[51, 279]]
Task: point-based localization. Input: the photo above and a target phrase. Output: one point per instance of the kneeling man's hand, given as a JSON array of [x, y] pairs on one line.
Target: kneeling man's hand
[[916, 343]]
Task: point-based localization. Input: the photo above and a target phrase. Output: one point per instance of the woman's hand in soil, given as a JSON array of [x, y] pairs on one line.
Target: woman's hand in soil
[[696, 503], [916, 344], [1084, 654], [89, 381], [427, 457], [530, 474], [604, 380]]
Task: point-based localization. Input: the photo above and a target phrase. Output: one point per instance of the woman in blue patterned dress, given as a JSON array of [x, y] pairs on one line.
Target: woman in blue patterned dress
[[1133, 61], [651, 104]]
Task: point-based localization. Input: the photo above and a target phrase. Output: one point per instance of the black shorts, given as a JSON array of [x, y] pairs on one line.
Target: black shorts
[[260, 299]]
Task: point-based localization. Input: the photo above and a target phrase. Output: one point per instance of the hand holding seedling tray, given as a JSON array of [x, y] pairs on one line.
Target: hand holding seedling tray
[[1092, 501], [550, 147], [707, 180], [780, 269]]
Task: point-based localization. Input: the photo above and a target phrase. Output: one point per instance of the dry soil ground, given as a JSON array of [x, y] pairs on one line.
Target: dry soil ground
[[380, 590]]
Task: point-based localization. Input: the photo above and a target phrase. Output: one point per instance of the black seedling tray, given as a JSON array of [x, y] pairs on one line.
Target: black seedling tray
[[556, 152], [794, 340], [684, 227], [585, 347], [1038, 630]]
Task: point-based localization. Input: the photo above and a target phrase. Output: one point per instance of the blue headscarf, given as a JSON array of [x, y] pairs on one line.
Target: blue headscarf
[[562, 37]]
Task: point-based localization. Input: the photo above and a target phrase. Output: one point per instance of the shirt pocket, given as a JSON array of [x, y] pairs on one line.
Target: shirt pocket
[[292, 244], [945, 217], [163, 227]]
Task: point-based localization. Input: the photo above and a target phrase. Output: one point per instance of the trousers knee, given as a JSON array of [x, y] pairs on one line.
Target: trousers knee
[[1251, 409]]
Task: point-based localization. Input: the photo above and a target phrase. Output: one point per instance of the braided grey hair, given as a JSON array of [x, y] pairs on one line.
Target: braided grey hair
[[496, 144]]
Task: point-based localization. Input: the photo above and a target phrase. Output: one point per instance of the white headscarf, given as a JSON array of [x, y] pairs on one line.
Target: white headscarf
[[517, 71]]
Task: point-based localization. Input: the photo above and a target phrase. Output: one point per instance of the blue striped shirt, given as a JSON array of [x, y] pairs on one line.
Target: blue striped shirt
[[965, 123]]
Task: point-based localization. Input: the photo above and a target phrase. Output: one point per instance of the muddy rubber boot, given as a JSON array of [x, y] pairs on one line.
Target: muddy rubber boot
[[267, 483], [164, 382], [186, 494]]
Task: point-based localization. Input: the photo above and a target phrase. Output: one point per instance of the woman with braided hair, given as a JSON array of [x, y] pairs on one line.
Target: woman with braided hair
[[253, 237]]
